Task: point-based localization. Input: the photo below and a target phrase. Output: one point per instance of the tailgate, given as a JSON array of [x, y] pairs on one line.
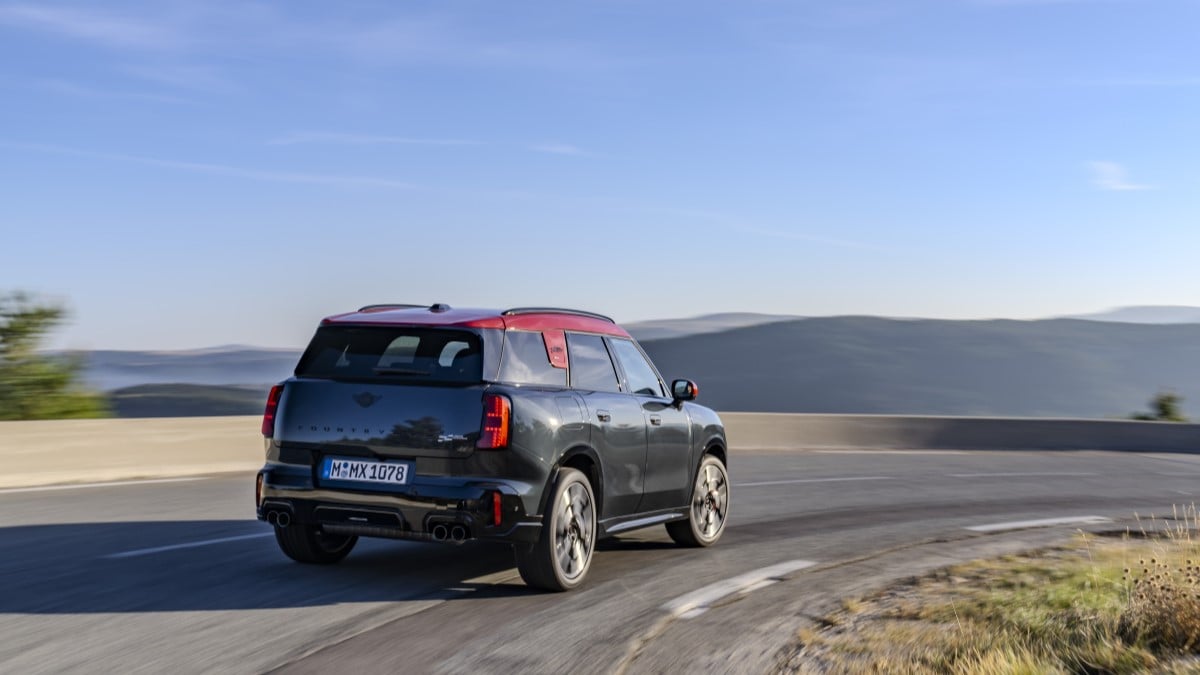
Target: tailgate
[[392, 420]]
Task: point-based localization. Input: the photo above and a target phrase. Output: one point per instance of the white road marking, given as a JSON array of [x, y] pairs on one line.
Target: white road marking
[[1013, 475], [82, 486], [1044, 522], [811, 480], [699, 601], [191, 544], [891, 452]]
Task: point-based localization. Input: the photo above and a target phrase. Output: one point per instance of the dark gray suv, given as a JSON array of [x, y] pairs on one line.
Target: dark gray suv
[[544, 428]]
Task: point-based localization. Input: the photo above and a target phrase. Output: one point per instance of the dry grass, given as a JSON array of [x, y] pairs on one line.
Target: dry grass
[[1099, 605]]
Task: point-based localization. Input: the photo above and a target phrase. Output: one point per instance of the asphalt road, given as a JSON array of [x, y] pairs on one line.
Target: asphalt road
[[177, 576]]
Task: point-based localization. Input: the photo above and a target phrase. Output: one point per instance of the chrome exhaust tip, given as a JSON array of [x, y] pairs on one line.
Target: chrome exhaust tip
[[440, 532], [458, 533], [283, 519], [271, 515]]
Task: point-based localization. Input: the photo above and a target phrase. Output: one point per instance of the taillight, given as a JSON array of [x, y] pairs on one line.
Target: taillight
[[497, 514], [497, 411], [268, 426]]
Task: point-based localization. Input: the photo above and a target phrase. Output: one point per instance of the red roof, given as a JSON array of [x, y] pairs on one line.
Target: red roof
[[478, 318]]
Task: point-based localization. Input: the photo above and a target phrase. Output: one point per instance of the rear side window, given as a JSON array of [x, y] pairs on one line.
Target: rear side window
[[526, 361], [639, 374], [591, 368], [409, 354]]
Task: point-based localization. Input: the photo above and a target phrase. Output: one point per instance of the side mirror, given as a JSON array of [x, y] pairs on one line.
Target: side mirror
[[684, 390]]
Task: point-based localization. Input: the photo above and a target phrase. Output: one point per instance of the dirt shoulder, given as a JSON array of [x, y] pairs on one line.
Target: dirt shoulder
[[1107, 603]]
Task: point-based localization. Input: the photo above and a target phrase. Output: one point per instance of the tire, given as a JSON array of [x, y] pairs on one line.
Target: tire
[[709, 509], [560, 559], [308, 544]]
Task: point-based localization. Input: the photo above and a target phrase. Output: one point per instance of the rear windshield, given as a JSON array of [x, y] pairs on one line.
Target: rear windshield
[[411, 354]]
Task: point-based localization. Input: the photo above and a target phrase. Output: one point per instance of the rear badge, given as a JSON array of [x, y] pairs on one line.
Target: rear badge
[[366, 399]]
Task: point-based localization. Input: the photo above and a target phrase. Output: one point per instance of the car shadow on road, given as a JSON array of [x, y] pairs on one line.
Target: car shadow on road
[[166, 566], [218, 565]]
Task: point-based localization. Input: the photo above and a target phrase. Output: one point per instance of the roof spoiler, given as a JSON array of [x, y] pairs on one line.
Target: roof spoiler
[[555, 310], [435, 307], [389, 305]]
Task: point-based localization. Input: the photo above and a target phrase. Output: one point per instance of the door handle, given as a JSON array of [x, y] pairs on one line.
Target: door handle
[[603, 415], [656, 420]]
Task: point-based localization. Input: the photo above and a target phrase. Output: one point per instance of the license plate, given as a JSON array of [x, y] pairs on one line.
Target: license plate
[[366, 471]]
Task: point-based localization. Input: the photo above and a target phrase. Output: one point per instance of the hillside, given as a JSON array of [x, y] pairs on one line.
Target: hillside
[[1058, 367], [222, 366], [869, 365], [187, 400], [1147, 314], [660, 329]]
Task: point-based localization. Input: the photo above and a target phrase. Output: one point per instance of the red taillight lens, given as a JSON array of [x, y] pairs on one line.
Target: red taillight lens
[[497, 410], [268, 427]]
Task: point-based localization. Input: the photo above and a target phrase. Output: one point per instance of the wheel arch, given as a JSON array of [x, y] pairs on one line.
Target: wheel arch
[[717, 449], [586, 460]]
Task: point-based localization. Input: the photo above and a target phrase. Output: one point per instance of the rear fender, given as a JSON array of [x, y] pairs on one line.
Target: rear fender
[[597, 479]]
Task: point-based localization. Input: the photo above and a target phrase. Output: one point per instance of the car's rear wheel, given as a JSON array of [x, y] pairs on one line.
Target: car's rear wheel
[[308, 544], [709, 508], [563, 553]]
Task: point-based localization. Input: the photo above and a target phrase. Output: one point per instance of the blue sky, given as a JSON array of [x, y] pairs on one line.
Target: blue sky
[[191, 173]]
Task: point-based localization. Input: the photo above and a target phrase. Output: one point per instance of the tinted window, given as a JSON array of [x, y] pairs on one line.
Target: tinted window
[[640, 376], [408, 354], [591, 368], [526, 361]]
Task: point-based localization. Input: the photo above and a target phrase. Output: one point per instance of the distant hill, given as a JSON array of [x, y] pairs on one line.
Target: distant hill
[[1147, 314], [869, 365], [187, 400], [698, 325], [1058, 367], [235, 365]]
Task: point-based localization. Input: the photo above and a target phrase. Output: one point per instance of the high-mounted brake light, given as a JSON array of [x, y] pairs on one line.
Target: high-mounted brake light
[[497, 411], [268, 425]]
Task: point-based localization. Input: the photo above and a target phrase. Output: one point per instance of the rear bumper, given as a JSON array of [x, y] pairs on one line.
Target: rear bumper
[[412, 512]]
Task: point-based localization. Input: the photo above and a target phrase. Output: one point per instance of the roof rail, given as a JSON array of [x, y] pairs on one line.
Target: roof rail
[[555, 310], [389, 305]]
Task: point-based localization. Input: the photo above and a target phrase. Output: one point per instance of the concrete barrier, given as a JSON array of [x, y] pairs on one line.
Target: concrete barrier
[[790, 431], [82, 451], [73, 451]]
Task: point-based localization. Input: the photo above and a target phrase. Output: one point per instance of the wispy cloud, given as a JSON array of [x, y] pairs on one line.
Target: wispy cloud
[[318, 137], [196, 78], [448, 41], [1113, 176], [67, 88], [388, 37], [100, 28], [803, 236], [1008, 3], [1145, 82], [560, 149], [339, 138], [332, 180]]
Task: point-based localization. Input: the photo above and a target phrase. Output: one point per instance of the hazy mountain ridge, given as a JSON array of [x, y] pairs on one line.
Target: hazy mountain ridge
[[187, 400], [659, 329], [1162, 314], [1059, 367], [239, 366]]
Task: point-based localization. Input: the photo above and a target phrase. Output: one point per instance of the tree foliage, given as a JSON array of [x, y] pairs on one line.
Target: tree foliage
[[1165, 407], [34, 385]]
